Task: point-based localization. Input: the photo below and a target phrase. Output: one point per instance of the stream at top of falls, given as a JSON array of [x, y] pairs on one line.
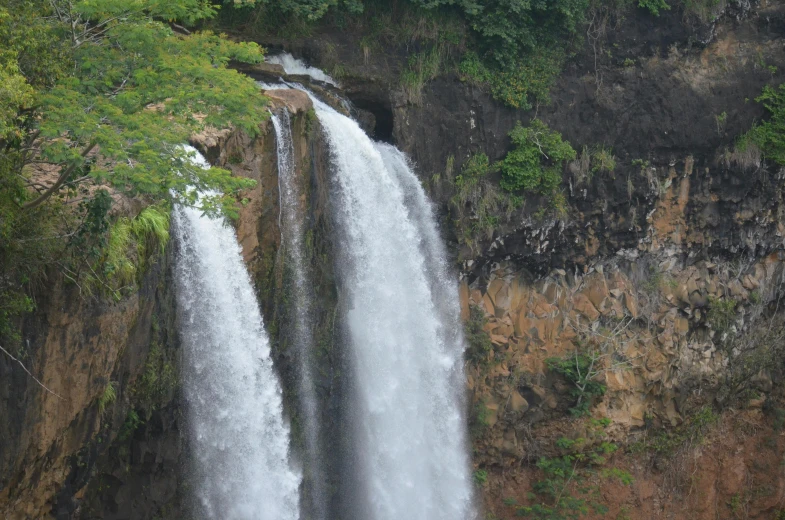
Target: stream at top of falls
[[240, 467]]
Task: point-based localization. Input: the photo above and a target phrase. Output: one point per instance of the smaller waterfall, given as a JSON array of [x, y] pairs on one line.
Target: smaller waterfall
[[302, 325], [292, 65], [239, 440]]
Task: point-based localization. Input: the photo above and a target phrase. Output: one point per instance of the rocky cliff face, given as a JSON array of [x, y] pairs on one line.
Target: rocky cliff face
[[665, 274], [55, 441], [667, 269]]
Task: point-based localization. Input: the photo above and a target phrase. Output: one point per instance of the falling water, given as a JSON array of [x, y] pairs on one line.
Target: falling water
[[302, 325], [292, 65], [406, 351], [240, 442]]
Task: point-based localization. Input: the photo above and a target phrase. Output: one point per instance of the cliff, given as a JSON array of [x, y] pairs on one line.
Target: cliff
[[659, 280]]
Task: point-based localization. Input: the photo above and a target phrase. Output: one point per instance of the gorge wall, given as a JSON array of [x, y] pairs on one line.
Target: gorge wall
[[669, 269]]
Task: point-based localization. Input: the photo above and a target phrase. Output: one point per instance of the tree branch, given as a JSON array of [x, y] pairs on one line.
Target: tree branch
[[63, 177], [31, 375]]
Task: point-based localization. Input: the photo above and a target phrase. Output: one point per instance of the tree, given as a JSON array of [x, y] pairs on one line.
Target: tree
[[97, 96], [137, 90]]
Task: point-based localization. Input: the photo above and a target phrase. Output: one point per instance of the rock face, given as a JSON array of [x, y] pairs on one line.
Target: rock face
[[667, 270], [669, 267], [53, 445]]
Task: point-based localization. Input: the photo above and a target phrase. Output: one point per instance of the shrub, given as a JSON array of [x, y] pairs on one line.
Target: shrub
[[536, 161], [570, 484], [479, 342], [721, 314], [107, 397], [769, 135], [581, 371], [603, 160]]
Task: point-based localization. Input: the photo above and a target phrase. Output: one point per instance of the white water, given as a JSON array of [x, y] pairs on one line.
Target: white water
[[291, 224], [407, 354], [239, 440], [292, 65]]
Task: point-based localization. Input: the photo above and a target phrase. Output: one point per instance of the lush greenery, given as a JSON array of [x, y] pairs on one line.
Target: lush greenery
[[582, 371], [485, 193], [536, 160], [769, 135], [478, 340], [97, 97], [515, 49], [570, 483]]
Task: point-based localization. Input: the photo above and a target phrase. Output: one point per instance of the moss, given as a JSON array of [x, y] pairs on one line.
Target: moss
[[158, 379]]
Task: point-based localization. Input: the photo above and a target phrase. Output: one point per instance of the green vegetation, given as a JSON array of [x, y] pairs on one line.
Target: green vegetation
[[536, 160], [479, 342], [722, 313], [97, 98], [570, 484], [480, 477], [769, 135], [534, 164], [603, 160], [422, 67], [582, 371], [107, 397], [131, 423], [477, 202], [478, 421], [669, 441], [158, 379]]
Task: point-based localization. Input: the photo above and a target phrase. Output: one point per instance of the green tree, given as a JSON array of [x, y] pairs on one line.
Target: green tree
[[536, 160], [98, 96]]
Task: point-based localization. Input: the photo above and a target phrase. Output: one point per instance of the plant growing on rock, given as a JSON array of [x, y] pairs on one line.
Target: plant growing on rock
[[478, 341], [582, 371], [570, 485], [536, 160]]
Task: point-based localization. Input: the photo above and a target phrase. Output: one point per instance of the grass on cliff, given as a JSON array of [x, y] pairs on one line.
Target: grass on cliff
[[131, 246]]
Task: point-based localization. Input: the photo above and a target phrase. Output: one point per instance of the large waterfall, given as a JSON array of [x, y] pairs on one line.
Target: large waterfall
[[301, 325], [407, 353], [240, 442]]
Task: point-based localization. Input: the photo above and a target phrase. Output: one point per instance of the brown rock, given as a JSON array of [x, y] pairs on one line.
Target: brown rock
[[518, 403], [295, 100], [584, 306]]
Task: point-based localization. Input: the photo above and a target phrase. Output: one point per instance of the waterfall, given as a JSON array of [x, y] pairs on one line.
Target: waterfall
[[302, 324], [239, 439], [403, 331], [292, 65]]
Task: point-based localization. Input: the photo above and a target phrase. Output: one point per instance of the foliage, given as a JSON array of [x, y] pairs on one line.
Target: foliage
[[581, 370], [519, 83], [536, 160], [654, 6], [477, 203], [769, 135], [98, 95], [668, 441], [478, 421], [569, 488], [480, 476], [107, 397], [131, 423], [603, 160], [422, 67], [722, 313], [157, 380], [479, 342], [131, 243]]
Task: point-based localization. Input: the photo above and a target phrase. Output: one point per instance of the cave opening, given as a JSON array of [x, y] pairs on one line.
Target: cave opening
[[383, 117]]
